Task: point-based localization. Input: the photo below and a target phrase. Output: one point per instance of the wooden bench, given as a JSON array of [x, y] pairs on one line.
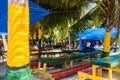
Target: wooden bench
[[70, 70], [65, 72], [34, 64]]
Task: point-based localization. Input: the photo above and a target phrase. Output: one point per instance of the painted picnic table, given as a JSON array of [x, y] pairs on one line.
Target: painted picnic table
[[68, 68], [110, 63]]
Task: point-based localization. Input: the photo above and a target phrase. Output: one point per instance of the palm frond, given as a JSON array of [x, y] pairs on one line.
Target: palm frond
[[93, 16]]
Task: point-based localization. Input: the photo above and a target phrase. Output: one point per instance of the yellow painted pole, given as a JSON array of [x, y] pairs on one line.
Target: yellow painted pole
[[18, 44], [18, 31], [107, 44]]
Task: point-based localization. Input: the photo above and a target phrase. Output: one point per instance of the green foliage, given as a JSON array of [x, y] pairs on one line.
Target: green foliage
[[72, 11], [91, 19], [62, 13]]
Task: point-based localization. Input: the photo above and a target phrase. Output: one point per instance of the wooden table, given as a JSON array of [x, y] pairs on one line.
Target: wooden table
[[110, 63]]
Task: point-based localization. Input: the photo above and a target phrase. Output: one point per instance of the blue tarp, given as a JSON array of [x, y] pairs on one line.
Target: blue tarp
[[3, 16], [36, 13], [96, 34]]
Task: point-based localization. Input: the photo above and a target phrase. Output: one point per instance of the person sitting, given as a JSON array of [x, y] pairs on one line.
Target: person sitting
[[98, 46], [114, 47], [34, 47], [65, 47], [88, 46], [1, 53]]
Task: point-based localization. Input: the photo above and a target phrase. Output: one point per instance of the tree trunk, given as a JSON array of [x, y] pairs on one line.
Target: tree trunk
[[39, 37], [18, 44], [112, 19], [107, 39]]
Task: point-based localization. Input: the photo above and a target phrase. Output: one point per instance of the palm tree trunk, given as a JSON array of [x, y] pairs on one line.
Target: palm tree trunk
[[112, 19], [18, 44], [107, 39], [39, 37], [39, 40]]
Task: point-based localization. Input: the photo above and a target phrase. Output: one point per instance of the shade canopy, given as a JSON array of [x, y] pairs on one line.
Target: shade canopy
[[36, 13], [96, 34]]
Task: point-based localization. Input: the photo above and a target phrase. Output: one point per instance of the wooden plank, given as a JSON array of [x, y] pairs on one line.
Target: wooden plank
[[70, 71], [84, 75]]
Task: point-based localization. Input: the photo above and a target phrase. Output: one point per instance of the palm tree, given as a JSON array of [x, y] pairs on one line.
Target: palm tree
[[111, 12], [92, 18], [107, 13]]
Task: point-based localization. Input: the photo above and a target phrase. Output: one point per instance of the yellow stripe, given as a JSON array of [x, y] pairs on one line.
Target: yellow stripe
[[18, 31]]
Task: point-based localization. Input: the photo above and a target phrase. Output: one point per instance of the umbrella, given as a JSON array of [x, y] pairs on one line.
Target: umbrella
[[36, 13], [96, 34]]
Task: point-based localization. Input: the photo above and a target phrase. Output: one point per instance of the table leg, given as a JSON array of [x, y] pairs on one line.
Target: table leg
[[100, 72], [79, 76], [39, 65], [110, 74], [89, 60], [71, 64], [94, 70], [83, 61], [65, 65], [52, 79], [44, 67]]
